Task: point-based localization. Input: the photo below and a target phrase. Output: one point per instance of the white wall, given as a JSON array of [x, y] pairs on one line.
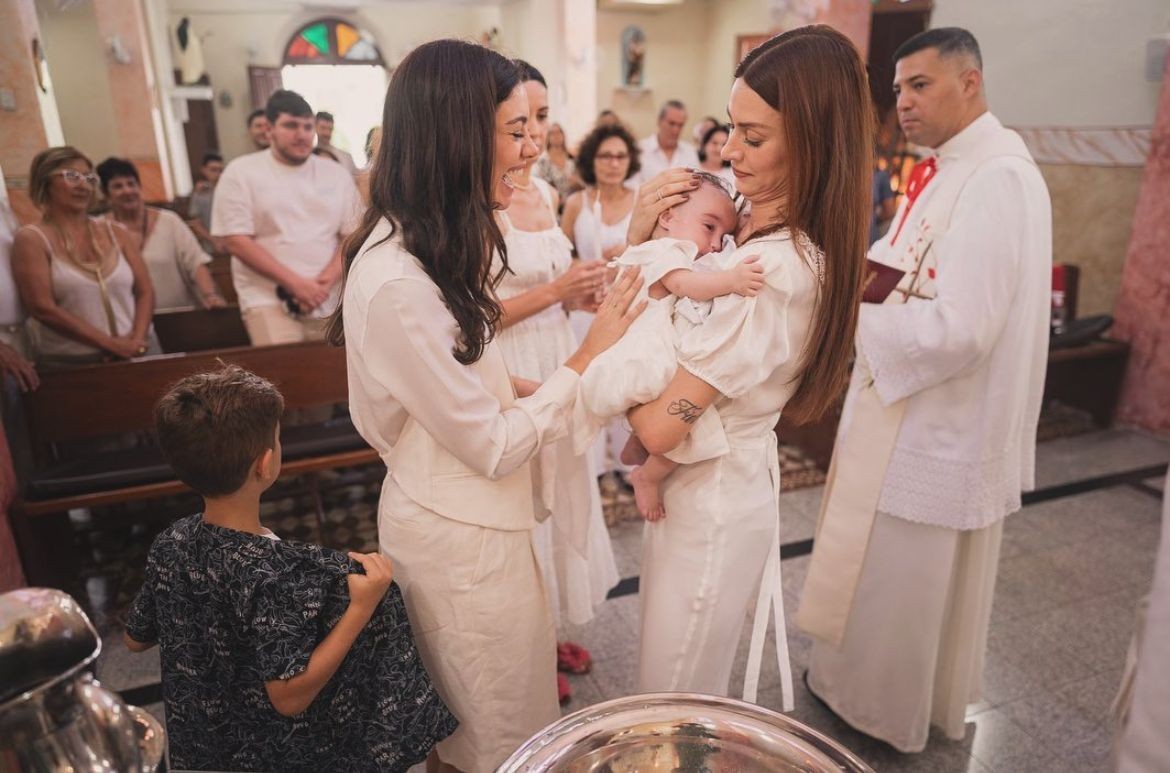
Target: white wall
[[258, 34], [676, 65], [558, 37], [1075, 63], [77, 65], [729, 19], [691, 55]]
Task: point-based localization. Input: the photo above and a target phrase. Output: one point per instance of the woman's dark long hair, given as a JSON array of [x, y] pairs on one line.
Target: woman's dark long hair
[[432, 179], [814, 77]]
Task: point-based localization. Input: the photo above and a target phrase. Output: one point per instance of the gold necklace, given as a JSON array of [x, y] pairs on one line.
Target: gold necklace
[[90, 268], [70, 251]]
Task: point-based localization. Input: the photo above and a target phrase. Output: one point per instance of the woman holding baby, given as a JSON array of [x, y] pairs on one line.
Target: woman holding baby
[[800, 148]]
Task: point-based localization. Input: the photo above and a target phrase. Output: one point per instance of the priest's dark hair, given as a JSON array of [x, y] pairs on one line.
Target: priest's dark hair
[[432, 180], [948, 41]]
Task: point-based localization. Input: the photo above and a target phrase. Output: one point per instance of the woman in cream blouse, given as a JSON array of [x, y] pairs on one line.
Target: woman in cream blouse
[[429, 390]]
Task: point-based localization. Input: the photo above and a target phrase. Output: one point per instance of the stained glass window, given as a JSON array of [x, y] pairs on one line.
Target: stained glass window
[[332, 41]]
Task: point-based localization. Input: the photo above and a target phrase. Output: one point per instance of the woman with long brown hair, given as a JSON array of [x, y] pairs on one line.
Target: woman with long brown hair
[[430, 391], [800, 147]]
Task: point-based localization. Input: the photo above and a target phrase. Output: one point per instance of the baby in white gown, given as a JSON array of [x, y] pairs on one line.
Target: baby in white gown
[[681, 275]]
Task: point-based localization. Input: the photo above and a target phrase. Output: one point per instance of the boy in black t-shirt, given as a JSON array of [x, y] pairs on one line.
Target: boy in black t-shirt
[[275, 655]]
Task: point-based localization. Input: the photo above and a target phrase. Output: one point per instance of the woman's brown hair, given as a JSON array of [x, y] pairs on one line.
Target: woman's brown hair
[[814, 77], [432, 179], [49, 160], [587, 152]]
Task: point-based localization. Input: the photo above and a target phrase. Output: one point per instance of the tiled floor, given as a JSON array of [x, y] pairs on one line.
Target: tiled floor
[[1071, 572]]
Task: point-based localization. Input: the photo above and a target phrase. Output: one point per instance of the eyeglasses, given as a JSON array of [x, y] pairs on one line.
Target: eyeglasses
[[73, 177], [619, 157]]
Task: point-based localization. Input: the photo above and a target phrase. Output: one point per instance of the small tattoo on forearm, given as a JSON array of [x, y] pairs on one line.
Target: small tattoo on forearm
[[685, 410]]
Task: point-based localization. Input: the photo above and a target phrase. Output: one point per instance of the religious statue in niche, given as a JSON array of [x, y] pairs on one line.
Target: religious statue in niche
[[633, 57]]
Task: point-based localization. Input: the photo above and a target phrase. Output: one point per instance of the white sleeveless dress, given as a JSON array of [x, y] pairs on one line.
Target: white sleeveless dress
[[592, 237], [572, 545], [80, 294]]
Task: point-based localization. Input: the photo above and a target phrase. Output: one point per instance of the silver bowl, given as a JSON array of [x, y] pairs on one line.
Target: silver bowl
[[680, 733]]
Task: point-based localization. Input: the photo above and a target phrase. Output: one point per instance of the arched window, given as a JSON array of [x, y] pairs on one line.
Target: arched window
[[332, 41]]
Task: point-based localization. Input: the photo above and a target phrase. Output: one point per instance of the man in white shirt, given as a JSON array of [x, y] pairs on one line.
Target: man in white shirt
[[258, 129], [325, 142], [283, 214], [663, 150], [938, 433]]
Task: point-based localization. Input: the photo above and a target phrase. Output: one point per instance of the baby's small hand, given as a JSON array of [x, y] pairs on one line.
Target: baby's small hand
[[366, 590], [748, 277]]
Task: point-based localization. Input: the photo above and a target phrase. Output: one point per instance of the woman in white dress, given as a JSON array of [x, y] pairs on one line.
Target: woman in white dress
[[804, 169], [430, 392], [596, 220], [573, 545]]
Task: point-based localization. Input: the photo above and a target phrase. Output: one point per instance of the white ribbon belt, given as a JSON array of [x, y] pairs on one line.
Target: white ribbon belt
[[771, 592]]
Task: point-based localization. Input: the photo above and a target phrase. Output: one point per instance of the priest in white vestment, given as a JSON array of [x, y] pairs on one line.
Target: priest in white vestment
[[938, 435]]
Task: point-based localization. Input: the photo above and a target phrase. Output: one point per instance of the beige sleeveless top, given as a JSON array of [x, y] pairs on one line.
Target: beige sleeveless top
[[79, 293]]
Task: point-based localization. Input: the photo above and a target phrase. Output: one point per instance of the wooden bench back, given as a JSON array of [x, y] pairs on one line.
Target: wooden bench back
[[96, 400], [200, 330]]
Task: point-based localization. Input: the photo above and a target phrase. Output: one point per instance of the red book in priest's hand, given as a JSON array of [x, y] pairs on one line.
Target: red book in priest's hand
[[880, 281]]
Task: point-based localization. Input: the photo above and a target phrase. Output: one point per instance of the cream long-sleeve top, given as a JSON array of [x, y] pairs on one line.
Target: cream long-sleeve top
[[400, 339], [971, 361]]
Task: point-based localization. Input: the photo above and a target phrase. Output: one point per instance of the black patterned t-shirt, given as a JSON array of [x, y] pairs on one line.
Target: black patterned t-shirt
[[232, 610]]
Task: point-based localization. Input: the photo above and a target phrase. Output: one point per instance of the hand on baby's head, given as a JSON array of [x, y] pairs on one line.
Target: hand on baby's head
[[703, 219]]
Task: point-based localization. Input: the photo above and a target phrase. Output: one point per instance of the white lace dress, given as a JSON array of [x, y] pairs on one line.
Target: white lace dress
[[592, 236], [572, 545]]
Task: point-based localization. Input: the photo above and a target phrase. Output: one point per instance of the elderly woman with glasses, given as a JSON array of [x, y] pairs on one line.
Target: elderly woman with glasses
[[173, 256], [82, 280]]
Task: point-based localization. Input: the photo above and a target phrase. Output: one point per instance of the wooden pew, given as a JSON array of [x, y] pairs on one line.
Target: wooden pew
[[198, 330], [117, 398]]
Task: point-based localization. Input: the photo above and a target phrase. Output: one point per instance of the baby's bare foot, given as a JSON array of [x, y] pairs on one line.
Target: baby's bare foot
[[646, 496], [634, 453]]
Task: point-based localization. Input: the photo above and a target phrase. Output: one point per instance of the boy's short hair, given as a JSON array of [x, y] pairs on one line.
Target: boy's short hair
[[209, 157], [212, 427], [252, 116]]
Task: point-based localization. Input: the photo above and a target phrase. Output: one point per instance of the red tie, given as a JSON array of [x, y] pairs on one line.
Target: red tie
[[920, 175]]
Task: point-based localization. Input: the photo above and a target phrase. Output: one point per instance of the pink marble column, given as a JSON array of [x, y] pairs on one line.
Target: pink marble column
[[22, 131], [852, 18], [132, 91], [22, 136], [1142, 312]]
